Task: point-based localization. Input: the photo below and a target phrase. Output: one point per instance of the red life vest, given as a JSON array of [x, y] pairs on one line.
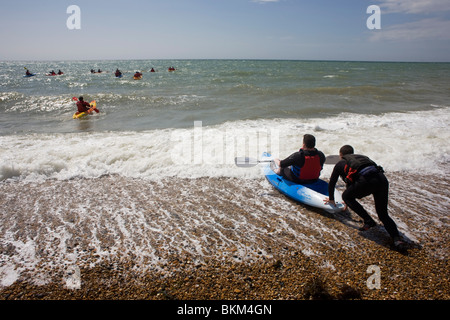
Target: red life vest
[[82, 106], [310, 170]]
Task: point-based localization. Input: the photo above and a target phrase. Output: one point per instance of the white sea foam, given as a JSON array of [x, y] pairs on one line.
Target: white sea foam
[[413, 141]]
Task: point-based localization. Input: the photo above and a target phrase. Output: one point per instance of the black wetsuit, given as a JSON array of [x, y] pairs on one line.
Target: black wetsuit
[[374, 182]]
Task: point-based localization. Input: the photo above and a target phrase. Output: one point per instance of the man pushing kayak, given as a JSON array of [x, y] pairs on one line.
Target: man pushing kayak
[[364, 177]]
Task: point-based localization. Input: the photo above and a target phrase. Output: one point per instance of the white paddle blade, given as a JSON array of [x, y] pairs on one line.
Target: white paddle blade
[[245, 162], [333, 159]]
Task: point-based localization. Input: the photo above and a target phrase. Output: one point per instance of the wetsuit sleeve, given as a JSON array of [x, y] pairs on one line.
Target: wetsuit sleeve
[[296, 158], [337, 171]]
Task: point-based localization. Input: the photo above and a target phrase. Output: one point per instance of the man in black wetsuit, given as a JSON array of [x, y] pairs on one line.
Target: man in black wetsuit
[[303, 166], [363, 177]]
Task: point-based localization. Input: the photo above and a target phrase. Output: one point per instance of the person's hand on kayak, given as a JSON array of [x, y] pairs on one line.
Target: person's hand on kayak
[[328, 201], [333, 203]]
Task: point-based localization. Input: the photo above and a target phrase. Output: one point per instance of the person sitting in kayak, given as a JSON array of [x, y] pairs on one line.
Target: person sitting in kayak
[[28, 73], [99, 71], [153, 70], [118, 73], [60, 72], [303, 166], [82, 105], [137, 74], [53, 73]]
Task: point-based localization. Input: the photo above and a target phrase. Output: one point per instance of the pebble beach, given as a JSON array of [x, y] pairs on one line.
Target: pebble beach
[[132, 239]]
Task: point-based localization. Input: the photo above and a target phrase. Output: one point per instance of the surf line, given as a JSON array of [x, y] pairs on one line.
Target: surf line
[[212, 146]]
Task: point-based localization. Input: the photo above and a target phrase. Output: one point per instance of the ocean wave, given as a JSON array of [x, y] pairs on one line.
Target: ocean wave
[[411, 142]]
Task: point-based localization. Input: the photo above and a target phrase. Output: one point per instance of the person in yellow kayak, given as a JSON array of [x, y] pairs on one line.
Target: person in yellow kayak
[[82, 105]]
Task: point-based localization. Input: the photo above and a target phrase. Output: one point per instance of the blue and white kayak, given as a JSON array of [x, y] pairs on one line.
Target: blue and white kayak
[[312, 194]]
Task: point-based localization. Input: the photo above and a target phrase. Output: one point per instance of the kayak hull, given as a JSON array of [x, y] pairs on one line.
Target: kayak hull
[[78, 115], [312, 194]]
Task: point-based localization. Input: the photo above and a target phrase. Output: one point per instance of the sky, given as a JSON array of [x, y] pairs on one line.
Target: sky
[[409, 30]]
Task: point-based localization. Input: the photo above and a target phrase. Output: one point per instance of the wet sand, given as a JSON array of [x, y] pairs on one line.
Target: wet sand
[[214, 239]]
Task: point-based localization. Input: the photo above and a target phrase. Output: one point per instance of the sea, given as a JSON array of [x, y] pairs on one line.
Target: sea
[[158, 161]]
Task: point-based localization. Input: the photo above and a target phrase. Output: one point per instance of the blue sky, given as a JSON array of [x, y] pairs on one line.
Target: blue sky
[[411, 30]]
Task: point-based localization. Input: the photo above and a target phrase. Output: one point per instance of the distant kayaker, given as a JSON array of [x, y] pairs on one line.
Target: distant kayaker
[[364, 177], [118, 73], [60, 72], [28, 73], [52, 73], [303, 166], [137, 74], [82, 105]]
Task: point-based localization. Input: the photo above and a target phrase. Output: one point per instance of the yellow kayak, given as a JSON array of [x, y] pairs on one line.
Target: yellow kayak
[[93, 107]]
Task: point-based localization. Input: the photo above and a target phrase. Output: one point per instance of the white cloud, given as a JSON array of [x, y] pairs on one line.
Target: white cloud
[[433, 27], [415, 7], [426, 29]]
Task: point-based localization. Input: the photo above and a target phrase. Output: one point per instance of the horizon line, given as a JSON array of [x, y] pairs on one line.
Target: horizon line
[[225, 59]]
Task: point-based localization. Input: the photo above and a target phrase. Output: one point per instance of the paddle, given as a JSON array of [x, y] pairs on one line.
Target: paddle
[[90, 110], [332, 159], [246, 162]]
